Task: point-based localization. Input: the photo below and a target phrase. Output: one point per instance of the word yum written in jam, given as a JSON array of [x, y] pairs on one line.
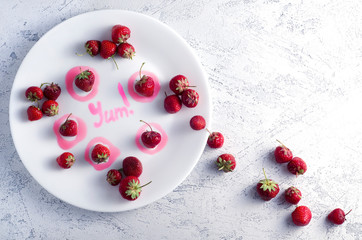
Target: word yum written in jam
[[111, 115]]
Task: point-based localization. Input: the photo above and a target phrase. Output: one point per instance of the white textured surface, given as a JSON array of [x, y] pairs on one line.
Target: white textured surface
[[287, 70]]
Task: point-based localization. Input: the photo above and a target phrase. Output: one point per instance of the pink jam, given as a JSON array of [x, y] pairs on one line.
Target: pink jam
[[69, 79], [159, 147], [62, 141], [135, 95], [115, 152]]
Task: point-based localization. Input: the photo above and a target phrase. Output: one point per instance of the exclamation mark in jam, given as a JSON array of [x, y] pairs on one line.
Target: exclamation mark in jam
[[124, 97]]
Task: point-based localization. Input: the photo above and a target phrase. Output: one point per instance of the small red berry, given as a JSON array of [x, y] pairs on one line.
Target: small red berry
[[301, 216], [145, 86], [297, 166], [150, 139], [215, 140], [50, 108], [126, 50], [85, 80], [337, 216], [197, 122], [190, 98], [226, 162], [34, 113], [282, 154], [178, 84], [132, 166], [130, 188], [114, 177], [52, 91], [100, 153], [293, 195], [267, 188], [120, 33], [69, 128], [172, 103], [92, 47], [34, 93], [66, 160]]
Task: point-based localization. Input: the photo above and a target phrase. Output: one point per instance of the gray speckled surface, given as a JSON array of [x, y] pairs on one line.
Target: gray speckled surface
[[287, 70]]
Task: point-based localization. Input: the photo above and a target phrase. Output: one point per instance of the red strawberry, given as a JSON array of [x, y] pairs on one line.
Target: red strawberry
[[172, 103], [85, 80], [178, 84], [132, 166], [66, 160], [52, 91], [215, 140], [34, 93], [69, 128], [150, 138], [120, 33], [92, 47], [293, 195], [114, 177], [190, 98], [145, 86], [126, 50], [34, 113], [130, 188], [100, 153], [282, 153], [226, 162], [108, 49], [337, 216], [301, 216], [50, 108], [267, 188], [297, 166], [197, 122]]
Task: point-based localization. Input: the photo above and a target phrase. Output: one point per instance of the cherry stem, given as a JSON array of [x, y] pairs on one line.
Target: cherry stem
[[145, 184], [147, 124], [281, 143], [165, 94], [208, 131], [141, 69], [348, 212], [115, 62], [66, 120]]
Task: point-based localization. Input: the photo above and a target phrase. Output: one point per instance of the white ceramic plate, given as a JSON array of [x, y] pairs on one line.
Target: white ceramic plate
[[166, 54]]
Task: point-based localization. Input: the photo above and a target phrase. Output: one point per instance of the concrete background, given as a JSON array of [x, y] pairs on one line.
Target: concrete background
[[287, 70]]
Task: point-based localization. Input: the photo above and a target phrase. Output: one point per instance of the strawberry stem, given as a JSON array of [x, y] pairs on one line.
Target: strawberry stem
[[147, 124], [115, 62], [79, 55], [282, 144], [66, 120], [265, 175], [145, 184], [141, 69], [41, 85], [348, 212]]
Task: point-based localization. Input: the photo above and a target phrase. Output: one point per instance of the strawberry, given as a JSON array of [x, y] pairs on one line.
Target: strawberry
[[50, 108], [282, 153], [114, 177], [297, 166], [197, 122], [130, 188], [52, 91], [85, 80], [301, 216], [34, 93], [190, 98], [172, 103], [150, 138], [132, 166], [337, 216], [120, 34], [267, 188], [126, 50], [100, 153], [34, 113], [69, 128], [66, 160], [215, 139], [108, 49], [293, 195], [145, 86], [178, 84], [92, 47], [226, 162]]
